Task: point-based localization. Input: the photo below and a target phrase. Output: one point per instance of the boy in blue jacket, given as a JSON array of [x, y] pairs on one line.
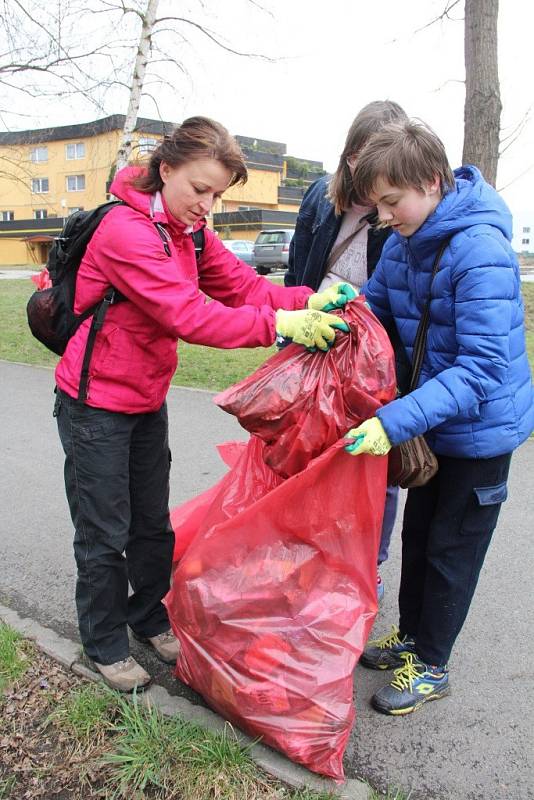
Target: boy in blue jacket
[[474, 401]]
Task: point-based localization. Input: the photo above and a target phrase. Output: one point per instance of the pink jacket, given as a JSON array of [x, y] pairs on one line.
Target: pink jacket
[[135, 353]]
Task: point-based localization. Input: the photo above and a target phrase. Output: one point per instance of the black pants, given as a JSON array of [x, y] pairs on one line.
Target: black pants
[[447, 529], [117, 483]]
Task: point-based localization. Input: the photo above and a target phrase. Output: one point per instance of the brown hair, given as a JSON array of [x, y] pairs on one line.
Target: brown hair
[[368, 121], [196, 137], [405, 154]]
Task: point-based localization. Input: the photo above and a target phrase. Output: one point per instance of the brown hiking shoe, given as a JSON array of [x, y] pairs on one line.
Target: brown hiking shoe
[[166, 645], [125, 675]]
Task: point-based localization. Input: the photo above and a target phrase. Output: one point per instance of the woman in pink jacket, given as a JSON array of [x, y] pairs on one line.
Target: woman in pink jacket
[[114, 427]]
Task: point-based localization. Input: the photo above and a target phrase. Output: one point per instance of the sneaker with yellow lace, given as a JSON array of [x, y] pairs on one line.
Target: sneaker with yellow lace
[[413, 684], [387, 652]]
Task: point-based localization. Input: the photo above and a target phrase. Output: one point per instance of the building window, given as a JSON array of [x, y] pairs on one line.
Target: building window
[[74, 151], [74, 209], [40, 213], [525, 241], [146, 145], [75, 183], [39, 154], [39, 185], [7, 216], [526, 230]]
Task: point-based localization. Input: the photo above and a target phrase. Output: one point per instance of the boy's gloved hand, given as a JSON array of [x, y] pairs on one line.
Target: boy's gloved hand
[[336, 296], [310, 328], [369, 437]]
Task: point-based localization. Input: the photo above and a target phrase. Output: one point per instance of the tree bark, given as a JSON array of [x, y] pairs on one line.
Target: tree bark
[[141, 61], [482, 112]]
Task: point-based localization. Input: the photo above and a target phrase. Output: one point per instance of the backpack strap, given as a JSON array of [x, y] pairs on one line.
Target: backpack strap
[[164, 236], [199, 240], [98, 320], [198, 237]]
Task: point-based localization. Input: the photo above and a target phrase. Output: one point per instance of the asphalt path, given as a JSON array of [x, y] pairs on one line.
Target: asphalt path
[[476, 744]]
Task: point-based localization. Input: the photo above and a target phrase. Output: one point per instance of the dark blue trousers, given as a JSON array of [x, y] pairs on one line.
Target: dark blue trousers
[[388, 522], [117, 483], [447, 528]]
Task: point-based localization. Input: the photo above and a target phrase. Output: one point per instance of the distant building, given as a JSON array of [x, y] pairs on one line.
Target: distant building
[[47, 174], [523, 234]]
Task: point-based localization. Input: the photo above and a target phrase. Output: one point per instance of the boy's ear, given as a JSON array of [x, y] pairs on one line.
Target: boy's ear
[[434, 186]]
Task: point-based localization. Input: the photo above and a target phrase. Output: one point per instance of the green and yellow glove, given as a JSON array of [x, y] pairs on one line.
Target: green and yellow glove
[[336, 296], [369, 437], [310, 328]]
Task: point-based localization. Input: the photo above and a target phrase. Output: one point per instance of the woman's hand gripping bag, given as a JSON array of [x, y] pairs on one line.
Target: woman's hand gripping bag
[[299, 403], [275, 596]]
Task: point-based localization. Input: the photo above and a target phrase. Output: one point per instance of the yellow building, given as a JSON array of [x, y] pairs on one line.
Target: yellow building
[[47, 174]]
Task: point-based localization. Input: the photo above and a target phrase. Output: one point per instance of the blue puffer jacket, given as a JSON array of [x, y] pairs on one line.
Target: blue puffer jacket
[[475, 397]]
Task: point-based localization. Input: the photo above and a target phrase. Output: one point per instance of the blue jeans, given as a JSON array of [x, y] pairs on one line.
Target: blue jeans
[[390, 512], [117, 482]]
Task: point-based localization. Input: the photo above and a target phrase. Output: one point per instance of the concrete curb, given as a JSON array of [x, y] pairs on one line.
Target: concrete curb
[[68, 653]]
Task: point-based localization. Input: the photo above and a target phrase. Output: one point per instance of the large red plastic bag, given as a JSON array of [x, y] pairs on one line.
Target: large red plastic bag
[[238, 489], [187, 518], [275, 595], [274, 599], [299, 403]]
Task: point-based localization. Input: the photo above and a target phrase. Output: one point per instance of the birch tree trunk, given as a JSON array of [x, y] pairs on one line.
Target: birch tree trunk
[[482, 111], [139, 71]]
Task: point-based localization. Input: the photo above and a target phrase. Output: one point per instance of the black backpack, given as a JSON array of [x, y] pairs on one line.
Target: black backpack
[[50, 311]]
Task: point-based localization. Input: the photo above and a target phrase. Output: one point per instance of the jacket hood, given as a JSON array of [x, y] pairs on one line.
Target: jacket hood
[[122, 188], [471, 202]]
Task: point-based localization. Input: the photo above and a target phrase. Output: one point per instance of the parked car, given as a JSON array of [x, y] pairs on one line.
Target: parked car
[[241, 248], [271, 250]]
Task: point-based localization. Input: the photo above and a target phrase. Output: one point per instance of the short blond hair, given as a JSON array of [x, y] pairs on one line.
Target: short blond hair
[[404, 154]]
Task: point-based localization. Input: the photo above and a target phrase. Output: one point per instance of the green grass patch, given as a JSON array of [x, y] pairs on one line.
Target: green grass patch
[[7, 787], [16, 341], [177, 758], [86, 712], [14, 656], [528, 297], [170, 758], [209, 368]]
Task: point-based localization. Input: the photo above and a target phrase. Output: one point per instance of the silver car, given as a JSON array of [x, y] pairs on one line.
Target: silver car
[[241, 248], [271, 250]]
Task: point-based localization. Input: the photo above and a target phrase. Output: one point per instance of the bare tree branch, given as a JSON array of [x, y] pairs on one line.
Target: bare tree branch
[[213, 38], [516, 132], [444, 15], [517, 177]]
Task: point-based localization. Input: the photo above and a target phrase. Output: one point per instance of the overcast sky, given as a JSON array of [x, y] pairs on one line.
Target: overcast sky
[[331, 58]]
